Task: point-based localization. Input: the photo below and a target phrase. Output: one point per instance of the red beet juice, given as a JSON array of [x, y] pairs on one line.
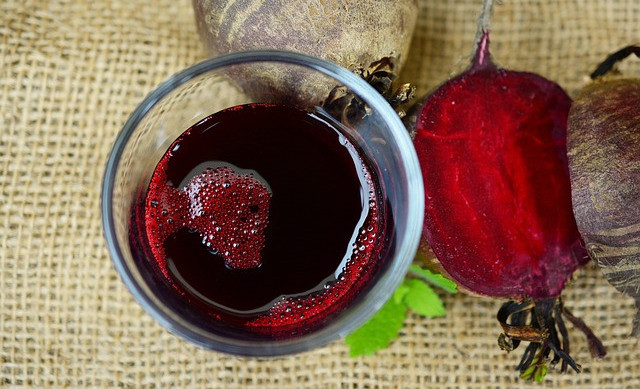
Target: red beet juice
[[265, 217]]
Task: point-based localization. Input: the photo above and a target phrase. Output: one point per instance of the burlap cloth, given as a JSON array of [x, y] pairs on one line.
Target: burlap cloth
[[70, 74]]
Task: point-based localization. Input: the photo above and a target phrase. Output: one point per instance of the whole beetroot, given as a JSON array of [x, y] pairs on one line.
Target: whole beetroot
[[604, 161], [356, 34]]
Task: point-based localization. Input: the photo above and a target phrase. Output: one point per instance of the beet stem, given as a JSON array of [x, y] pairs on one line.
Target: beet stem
[[518, 331], [527, 357], [565, 335], [565, 357], [484, 22], [614, 58], [555, 339], [596, 347], [518, 319], [481, 55]]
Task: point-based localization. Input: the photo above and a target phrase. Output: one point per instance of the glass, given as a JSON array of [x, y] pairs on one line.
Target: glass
[[241, 78]]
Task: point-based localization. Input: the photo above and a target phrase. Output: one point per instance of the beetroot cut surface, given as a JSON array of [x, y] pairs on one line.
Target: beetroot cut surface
[[498, 215], [492, 148]]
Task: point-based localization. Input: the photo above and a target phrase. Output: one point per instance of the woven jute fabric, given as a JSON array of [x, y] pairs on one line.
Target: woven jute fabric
[[70, 74]]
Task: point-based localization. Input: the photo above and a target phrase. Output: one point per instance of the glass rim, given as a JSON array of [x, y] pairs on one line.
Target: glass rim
[[358, 312]]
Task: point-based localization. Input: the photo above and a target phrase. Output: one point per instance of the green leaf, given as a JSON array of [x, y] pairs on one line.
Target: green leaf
[[421, 298], [526, 375], [379, 331], [398, 295], [541, 373], [537, 370], [414, 294], [434, 278]]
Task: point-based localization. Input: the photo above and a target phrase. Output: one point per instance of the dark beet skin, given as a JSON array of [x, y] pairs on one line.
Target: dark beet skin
[[492, 148], [604, 157], [351, 33]]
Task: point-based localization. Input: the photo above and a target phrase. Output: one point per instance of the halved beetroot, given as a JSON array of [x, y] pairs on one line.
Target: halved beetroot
[[492, 148]]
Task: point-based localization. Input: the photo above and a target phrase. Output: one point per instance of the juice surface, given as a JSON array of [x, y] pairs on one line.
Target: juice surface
[[265, 216]]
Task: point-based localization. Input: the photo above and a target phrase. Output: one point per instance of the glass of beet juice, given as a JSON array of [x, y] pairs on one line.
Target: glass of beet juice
[[262, 203]]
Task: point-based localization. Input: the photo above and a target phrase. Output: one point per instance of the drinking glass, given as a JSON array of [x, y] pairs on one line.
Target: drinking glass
[[258, 77]]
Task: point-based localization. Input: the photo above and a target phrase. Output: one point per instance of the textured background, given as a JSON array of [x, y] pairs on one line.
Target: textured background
[[72, 71]]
